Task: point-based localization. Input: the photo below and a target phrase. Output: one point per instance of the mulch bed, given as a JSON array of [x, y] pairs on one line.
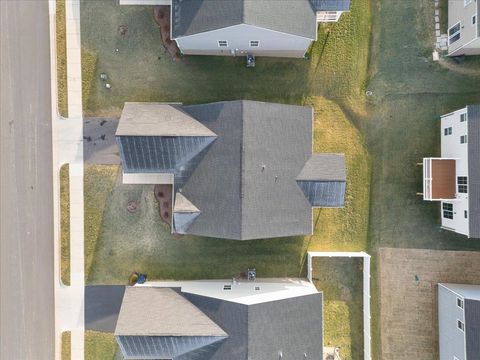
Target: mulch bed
[[161, 15], [163, 194]]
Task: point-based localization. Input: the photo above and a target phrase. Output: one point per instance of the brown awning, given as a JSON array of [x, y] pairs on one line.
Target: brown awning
[[443, 179]]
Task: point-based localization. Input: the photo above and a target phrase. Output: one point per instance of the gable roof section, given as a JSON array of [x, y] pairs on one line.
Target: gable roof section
[[255, 160], [293, 326], [323, 179], [184, 213], [474, 170], [175, 317], [157, 119], [472, 328], [330, 5], [294, 17]]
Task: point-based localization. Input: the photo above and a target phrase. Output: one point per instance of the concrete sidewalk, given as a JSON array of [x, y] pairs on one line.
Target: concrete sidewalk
[[68, 148]]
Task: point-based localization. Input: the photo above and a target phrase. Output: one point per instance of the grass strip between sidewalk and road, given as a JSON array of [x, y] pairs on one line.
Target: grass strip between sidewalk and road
[[61, 42], [65, 223]]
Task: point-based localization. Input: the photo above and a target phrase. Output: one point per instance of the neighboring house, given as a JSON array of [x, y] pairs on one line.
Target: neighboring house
[[222, 320], [463, 27], [454, 178], [459, 321], [281, 28], [239, 169]]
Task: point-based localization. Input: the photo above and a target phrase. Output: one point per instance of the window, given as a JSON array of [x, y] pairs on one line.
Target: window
[[257, 288], [227, 287], [467, 2], [465, 213], [462, 184], [447, 131], [447, 210], [222, 43], [254, 43], [463, 139], [460, 325], [463, 117], [460, 303], [454, 33], [474, 19], [327, 16]]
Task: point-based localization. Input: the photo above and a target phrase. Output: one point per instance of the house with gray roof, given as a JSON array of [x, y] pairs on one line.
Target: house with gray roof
[[453, 179], [280, 28], [222, 320], [463, 27], [459, 321], [239, 169]]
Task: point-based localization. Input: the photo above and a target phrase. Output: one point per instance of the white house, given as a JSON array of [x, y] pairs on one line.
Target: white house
[[279, 28], [454, 178], [463, 27], [459, 321]]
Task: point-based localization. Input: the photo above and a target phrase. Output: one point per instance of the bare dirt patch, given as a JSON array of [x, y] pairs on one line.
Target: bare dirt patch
[[408, 297], [162, 18]]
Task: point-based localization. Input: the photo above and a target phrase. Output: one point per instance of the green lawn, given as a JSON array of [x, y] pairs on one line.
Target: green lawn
[[65, 224], [61, 58], [198, 79], [99, 345], [340, 279], [98, 182]]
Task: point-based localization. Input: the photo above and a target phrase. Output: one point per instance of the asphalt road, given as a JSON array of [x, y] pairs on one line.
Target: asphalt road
[[26, 195]]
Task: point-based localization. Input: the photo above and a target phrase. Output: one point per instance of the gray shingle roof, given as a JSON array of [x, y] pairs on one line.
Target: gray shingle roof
[[158, 119], [324, 167], [260, 150], [293, 326], [196, 16], [472, 328], [243, 181], [175, 317], [474, 169], [323, 180], [330, 5]]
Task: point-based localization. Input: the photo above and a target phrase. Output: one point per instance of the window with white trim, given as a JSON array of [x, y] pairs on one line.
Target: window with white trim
[[460, 303], [222, 43], [254, 43], [447, 131], [462, 184], [465, 213], [460, 325], [327, 16], [474, 19], [463, 139], [454, 33], [463, 117], [447, 210], [227, 287]]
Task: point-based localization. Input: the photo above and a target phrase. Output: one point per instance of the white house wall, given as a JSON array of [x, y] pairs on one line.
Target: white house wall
[[243, 292], [451, 338], [457, 12], [271, 43], [452, 148]]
